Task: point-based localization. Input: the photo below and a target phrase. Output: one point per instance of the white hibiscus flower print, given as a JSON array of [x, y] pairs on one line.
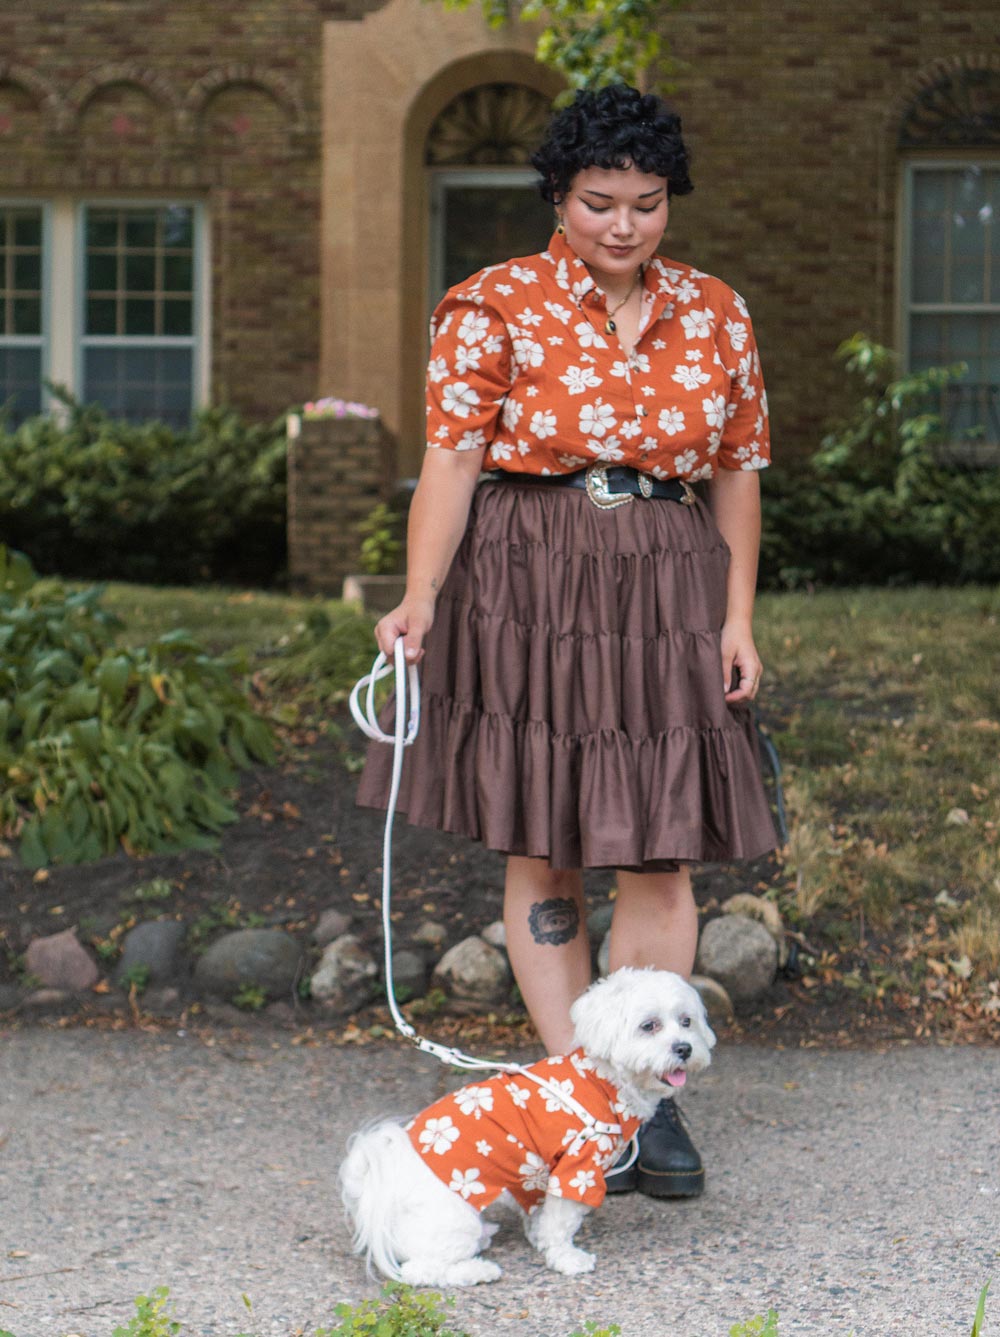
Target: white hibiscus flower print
[[474, 1099], [690, 377], [639, 361], [523, 274], [578, 379], [465, 1183], [671, 421], [580, 289], [694, 355], [583, 1180], [527, 351], [763, 402], [471, 440], [706, 471], [518, 1094], [749, 390], [588, 336], [659, 344], [737, 332], [608, 449], [492, 344], [621, 369], [562, 275], [553, 1188], [543, 424], [523, 448], [437, 1135], [648, 390], [511, 413], [683, 464], [562, 313], [445, 325], [534, 1172], [467, 359], [529, 317], [459, 399], [686, 290], [572, 462], [756, 462], [714, 441], [437, 370], [741, 306], [597, 419], [698, 324], [531, 391], [554, 340], [473, 327], [714, 408], [501, 450], [504, 288], [630, 427], [483, 1147], [649, 443]]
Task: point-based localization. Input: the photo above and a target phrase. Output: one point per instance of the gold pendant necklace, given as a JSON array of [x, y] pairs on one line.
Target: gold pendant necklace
[[609, 325]]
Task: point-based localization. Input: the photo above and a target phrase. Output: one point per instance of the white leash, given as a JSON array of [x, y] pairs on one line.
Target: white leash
[[408, 687]]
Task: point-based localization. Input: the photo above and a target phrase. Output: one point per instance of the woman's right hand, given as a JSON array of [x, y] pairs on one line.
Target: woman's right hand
[[412, 620]]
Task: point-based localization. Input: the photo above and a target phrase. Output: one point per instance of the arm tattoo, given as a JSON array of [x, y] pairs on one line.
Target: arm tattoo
[[555, 922]]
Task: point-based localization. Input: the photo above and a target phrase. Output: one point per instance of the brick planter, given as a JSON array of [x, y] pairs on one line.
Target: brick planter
[[338, 470]]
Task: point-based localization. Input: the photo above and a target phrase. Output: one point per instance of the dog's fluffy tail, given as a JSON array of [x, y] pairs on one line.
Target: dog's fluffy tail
[[369, 1189]]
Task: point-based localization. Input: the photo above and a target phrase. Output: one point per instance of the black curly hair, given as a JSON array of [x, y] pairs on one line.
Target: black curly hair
[[614, 127]]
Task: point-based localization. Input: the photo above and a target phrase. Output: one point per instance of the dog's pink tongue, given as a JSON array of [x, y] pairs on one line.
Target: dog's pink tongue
[[676, 1078]]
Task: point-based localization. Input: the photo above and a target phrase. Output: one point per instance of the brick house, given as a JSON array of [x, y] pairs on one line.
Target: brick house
[[257, 204]]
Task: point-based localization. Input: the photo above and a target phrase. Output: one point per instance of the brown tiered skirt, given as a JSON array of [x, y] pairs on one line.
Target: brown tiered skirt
[[572, 702]]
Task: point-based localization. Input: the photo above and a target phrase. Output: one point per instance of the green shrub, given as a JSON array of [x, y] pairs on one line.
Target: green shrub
[[98, 497], [101, 746], [876, 505]]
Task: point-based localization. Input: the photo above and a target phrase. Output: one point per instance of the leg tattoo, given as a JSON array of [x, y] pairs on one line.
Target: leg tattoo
[[555, 921]]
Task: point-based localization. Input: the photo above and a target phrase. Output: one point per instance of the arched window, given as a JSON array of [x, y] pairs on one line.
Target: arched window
[[485, 206], [950, 134]]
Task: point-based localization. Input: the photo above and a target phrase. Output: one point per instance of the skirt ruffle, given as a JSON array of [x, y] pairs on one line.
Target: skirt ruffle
[[572, 703]]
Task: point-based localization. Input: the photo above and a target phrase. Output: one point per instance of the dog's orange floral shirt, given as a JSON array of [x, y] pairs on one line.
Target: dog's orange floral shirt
[[521, 362], [511, 1133]]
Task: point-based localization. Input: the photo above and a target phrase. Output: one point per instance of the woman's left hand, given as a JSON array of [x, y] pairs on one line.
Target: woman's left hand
[[740, 663]]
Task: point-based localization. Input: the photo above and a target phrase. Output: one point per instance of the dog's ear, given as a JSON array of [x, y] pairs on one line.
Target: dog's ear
[[596, 1020]]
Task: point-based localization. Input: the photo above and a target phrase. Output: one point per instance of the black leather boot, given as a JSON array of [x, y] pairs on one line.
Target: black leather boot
[[668, 1165], [623, 1180]]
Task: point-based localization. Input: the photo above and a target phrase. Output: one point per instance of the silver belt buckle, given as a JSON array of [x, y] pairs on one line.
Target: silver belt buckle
[[599, 491]]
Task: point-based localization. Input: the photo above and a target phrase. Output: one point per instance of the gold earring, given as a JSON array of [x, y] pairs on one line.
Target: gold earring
[[560, 229]]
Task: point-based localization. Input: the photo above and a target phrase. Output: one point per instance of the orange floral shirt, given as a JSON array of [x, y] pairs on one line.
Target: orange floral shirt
[[521, 362], [510, 1133]]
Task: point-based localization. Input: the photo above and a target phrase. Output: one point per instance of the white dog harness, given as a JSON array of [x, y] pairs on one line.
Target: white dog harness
[[407, 723]]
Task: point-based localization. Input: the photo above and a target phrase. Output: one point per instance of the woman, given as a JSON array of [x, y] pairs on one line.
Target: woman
[[584, 621]]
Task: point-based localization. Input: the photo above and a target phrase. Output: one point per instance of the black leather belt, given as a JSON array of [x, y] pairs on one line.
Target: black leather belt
[[607, 485]]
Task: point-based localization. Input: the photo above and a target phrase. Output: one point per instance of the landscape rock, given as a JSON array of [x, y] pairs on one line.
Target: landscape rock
[[495, 934], [60, 962], [331, 924], [156, 946], [58, 1002], [265, 958], [409, 975], [599, 921], [164, 1001], [474, 973], [765, 912], [346, 977], [604, 954], [741, 954], [718, 1004], [430, 934]]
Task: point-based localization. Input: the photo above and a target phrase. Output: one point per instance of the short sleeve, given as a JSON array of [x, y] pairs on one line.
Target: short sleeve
[[746, 438], [468, 376]]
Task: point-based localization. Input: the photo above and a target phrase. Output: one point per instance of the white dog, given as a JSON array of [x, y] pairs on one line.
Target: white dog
[[544, 1134]]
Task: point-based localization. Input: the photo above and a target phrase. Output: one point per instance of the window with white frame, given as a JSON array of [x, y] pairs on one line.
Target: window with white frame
[[22, 326], [952, 280], [107, 299]]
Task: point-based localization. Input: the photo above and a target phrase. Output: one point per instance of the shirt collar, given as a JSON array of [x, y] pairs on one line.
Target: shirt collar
[[656, 281]]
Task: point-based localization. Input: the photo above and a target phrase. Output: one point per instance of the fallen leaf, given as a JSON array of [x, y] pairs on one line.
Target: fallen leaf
[[957, 817]]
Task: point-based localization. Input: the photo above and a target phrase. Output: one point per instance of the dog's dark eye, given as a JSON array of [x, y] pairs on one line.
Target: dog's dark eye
[[685, 1021], [650, 1027]]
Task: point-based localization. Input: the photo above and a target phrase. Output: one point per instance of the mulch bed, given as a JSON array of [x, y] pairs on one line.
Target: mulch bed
[[300, 846]]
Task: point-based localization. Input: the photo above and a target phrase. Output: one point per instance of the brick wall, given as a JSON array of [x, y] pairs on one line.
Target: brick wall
[[133, 97], [338, 470], [792, 112]]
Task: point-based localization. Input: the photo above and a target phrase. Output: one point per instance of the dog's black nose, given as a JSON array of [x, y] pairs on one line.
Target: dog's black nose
[[683, 1050]]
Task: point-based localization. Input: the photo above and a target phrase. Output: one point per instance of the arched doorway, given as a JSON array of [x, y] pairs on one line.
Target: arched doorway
[[484, 204]]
